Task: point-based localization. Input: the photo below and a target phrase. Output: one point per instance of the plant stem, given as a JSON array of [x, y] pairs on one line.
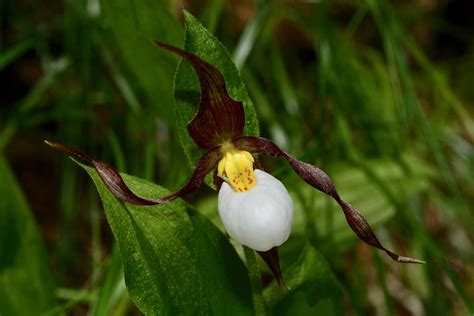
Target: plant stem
[[254, 274]]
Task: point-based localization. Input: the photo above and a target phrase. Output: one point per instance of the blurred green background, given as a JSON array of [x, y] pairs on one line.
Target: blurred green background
[[377, 93]]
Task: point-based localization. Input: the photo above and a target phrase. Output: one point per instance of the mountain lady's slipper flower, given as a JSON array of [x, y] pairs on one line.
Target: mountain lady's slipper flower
[[259, 218], [254, 206]]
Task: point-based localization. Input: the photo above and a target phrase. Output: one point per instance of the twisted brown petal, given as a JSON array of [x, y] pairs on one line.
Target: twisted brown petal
[[321, 181], [114, 181], [219, 118]]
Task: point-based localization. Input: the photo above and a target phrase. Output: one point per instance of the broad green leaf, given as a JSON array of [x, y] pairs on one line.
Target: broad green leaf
[[135, 25], [175, 261], [314, 289], [186, 87], [26, 283]]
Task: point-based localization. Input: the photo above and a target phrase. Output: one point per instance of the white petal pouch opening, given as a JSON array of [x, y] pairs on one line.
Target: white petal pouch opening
[[259, 218]]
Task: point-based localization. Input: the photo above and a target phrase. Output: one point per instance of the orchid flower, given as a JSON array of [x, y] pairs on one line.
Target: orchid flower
[[254, 207]]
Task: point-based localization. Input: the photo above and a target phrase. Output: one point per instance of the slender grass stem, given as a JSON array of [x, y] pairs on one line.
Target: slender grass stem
[[254, 274]]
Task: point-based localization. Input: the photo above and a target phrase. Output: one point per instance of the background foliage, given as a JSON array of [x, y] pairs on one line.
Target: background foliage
[[376, 93]]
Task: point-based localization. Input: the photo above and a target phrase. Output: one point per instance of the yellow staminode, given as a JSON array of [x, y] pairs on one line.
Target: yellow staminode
[[237, 168]]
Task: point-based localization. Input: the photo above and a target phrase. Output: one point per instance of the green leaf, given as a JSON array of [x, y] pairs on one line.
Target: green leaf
[[175, 261], [186, 86], [26, 282], [135, 24], [313, 288]]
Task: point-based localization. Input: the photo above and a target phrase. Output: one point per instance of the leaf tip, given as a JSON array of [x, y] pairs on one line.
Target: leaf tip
[[187, 15]]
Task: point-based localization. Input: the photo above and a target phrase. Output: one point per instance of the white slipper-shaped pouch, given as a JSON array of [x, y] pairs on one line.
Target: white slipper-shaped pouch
[[259, 218]]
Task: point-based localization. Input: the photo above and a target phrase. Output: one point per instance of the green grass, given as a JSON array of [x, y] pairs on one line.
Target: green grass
[[343, 85]]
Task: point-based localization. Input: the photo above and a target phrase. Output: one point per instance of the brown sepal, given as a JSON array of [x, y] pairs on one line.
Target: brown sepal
[[273, 261], [114, 181], [219, 118], [321, 181]]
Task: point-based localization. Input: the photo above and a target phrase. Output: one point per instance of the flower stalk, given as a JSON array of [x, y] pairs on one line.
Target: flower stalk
[[254, 275]]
